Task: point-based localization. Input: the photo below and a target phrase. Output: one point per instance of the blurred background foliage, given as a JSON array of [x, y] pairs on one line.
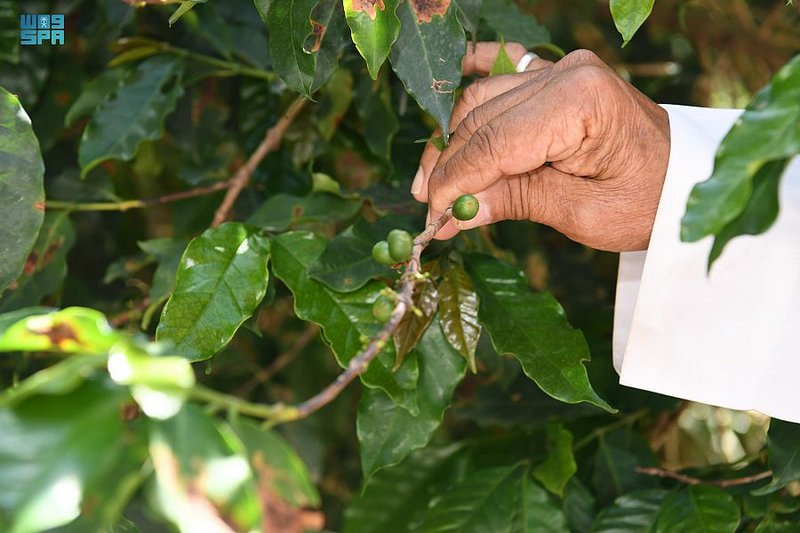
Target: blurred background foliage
[[704, 52]]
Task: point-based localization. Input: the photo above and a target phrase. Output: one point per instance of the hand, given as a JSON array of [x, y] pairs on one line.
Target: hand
[[569, 144]]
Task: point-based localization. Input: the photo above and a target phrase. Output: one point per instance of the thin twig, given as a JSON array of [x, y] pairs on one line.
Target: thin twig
[[125, 205], [358, 364], [271, 141], [280, 362], [279, 413], [602, 431], [689, 480]]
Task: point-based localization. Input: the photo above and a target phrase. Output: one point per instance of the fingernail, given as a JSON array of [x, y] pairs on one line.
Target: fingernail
[[416, 185]]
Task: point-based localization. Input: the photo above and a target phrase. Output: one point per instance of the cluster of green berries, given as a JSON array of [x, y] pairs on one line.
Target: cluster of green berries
[[395, 249]]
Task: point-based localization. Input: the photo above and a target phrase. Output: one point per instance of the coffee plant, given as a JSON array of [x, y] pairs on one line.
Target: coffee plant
[[221, 309]]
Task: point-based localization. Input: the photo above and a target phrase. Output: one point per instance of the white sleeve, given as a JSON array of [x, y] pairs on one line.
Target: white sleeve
[[730, 338]]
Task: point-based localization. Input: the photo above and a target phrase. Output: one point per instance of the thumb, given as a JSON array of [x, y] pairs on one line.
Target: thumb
[[545, 195]]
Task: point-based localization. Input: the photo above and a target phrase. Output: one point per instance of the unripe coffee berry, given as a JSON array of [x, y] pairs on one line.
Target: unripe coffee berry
[[465, 207], [400, 244], [380, 253], [383, 308]]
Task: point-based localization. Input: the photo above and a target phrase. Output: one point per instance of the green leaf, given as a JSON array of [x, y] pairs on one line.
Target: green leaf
[[760, 212], [374, 26], [134, 113], [94, 93], [262, 6], [347, 264], [769, 130], [783, 443], [346, 319], [386, 432], [635, 513], [469, 13], [629, 15], [276, 464], [427, 56], [328, 38], [335, 102], [395, 499], [21, 188], [168, 253], [46, 265], [615, 461], [579, 506], [560, 465], [374, 106], [532, 328], [502, 499], [458, 308], [222, 278], [60, 378], [505, 17], [502, 64], [9, 31], [200, 463], [415, 323], [283, 211], [62, 456], [700, 509], [289, 24], [71, 330]]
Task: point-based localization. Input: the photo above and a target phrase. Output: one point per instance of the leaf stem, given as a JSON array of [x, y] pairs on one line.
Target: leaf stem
[[236, 68], [273, 412], [125, 205]]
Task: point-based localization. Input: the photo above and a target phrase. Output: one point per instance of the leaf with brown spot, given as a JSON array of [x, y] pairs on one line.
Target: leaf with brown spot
[[374, 27], [411, 329], [45, 266], [425, 10], [458, 305]]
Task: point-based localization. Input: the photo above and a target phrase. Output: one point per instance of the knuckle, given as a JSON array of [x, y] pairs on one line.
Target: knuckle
[[583, 57], [590, 77], [472, 122], [489, 142]]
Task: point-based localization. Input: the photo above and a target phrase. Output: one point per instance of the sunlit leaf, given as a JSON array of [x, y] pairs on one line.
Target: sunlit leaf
[[560, 465], [629, 15], [222, 278], [374, 27], [635, 512], [21, 188]]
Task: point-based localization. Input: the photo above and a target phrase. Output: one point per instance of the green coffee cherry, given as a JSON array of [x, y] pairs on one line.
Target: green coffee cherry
[[383, 308], [380, 253], [465, 207], [400, 244]]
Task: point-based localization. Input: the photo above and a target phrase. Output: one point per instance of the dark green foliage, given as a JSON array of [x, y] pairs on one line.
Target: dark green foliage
[[273, 279]]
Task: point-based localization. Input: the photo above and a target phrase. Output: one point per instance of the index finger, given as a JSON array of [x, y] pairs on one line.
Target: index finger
[[480, 57]]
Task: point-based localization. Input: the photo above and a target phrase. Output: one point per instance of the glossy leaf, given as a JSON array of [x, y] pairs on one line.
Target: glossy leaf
[[222, 278], [760, 212], [289, 23], [46, 265], [427, 56], [21, 188], [347, 264], [415, 323], [532, 327], [458, 306], [629, 15], [495, 499], [276, 464], [346, 319], [773, 117], [698, 508], [635, 512], [374, 26], [387, 433], [133, 114], [783, 442], [201, 473], [283, 211], [71, 330], [328, 38], [560, 465], [61, 453], [505, 17], [395, 499]]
